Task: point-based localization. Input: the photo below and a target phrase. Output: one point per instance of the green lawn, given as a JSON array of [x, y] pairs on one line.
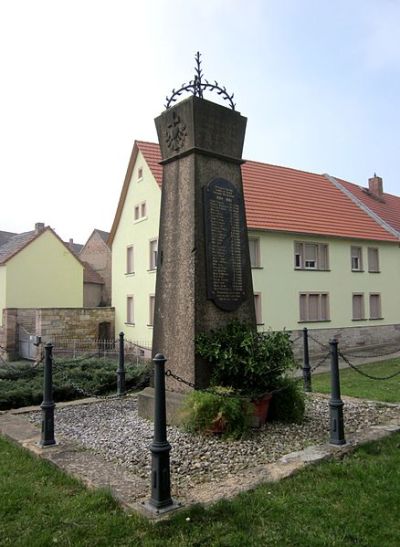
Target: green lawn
[[350, 502], [354, 384]]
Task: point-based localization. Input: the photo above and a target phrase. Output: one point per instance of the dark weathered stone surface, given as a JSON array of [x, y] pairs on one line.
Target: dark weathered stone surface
[[200, 141]]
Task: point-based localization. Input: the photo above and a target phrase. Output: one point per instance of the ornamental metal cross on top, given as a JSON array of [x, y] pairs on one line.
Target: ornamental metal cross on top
[[198, 85]]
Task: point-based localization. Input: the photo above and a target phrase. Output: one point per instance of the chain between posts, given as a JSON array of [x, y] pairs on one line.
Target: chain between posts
[[353, 367]]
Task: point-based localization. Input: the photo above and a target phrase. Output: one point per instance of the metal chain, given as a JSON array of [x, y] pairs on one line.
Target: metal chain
[[376, 355], [365, 374], [297, 339], [317, 341], [320, 362]]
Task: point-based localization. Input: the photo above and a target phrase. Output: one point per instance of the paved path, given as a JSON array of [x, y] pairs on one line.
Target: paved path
[[132, 491]]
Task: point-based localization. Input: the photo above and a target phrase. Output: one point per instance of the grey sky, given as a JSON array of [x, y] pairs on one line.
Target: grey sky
[[318, 80]]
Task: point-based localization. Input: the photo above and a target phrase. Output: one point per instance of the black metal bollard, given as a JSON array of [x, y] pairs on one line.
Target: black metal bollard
[[335, 403], [160, 500], [306, 362], [47, 406], [121, 367]]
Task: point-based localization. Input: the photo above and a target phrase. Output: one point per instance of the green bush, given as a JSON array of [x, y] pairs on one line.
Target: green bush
[[288, 404], [219, 411], [22, 384], [252, 363]]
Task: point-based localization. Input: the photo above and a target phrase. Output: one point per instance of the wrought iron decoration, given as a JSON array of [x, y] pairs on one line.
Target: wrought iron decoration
[[198, 85]]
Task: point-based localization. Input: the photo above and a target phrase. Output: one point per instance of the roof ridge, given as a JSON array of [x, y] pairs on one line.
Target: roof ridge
[[385, 225]]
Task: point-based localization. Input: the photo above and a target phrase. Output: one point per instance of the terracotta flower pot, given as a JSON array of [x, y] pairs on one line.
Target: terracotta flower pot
[[260, 413]]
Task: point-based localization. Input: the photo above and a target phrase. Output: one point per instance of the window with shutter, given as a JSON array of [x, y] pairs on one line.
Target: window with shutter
[[373, 259], [358, 306], [375, 308]]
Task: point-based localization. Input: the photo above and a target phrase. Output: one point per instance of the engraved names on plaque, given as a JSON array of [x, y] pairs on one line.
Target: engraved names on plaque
[[225, 244]]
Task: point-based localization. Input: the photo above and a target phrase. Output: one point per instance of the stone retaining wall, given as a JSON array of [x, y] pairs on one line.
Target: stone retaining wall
[[49, 323]]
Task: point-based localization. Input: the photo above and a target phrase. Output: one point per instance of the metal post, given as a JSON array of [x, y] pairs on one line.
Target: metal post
[[47, 406], [335, 403], [160, 500], [306, 363], [121, 370]]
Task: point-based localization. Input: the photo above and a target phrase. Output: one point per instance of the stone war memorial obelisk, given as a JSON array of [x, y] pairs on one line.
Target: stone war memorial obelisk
[[203, 275]]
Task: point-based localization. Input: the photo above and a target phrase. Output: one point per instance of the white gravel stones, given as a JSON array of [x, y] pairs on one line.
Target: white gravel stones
[[113, 429]]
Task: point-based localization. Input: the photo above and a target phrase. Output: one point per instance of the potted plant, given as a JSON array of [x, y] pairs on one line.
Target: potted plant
[[216, 411], [252, 363]]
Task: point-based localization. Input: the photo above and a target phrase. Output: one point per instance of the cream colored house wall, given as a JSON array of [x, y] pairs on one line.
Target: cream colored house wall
[[280, 283], [44, 274], [141, 283], [3, 278]]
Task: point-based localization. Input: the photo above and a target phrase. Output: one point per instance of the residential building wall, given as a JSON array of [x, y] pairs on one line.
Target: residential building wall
[[97, 253], [280, 284], [92, 295], [44, 274], [141, 283]]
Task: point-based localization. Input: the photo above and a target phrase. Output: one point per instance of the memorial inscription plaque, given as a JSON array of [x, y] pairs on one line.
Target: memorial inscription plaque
[[225, 244]]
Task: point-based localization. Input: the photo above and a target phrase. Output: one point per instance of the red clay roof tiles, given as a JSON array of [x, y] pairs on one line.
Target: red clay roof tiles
[[288, 200]]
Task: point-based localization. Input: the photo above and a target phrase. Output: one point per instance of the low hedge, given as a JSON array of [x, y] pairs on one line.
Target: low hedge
[[21, 384]]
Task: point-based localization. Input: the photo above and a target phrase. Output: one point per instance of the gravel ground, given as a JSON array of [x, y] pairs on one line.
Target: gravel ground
[[113, 429]]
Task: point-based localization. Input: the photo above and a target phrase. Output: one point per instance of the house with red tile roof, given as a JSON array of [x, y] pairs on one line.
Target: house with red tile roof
[[324, 252]]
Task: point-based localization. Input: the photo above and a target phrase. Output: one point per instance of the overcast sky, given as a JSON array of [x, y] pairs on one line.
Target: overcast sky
[[318, 80]]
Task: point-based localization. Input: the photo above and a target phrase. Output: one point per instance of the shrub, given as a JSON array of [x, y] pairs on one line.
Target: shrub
[[250, 362], [22, 384], [206, 411], [288, 404]]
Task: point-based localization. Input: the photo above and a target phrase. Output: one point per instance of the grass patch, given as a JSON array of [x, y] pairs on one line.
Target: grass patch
[[21, 383], [350, 502], [354, 384]]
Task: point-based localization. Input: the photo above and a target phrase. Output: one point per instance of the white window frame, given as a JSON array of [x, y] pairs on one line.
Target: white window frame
[[139, 174], [140, 211], [356, 258], [153, 254], [300, 256]]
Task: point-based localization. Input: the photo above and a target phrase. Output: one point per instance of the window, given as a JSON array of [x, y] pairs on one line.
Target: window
[[314, 307], [254, 248], [373, 259], [310, 256], [375, 308], [153, 254], [140, 173], [356, 259], [257, 305], [129, 259], [140, 211], [152, 300], [129, 310], [358, 306]]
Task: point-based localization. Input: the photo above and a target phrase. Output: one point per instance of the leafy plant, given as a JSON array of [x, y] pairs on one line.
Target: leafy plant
[[252, 363], [216, 411], [288, 403]]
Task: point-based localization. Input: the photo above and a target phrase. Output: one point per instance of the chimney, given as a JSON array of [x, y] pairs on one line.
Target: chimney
[[39, 227], [71, 243], [375, 186]]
